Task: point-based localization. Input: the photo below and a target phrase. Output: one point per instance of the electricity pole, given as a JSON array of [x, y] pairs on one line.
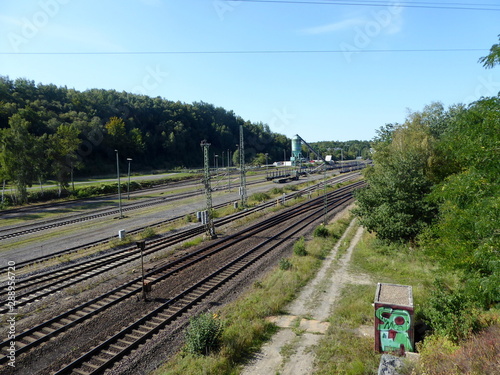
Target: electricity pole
[[228, 171], [209, 222], [243, 179]]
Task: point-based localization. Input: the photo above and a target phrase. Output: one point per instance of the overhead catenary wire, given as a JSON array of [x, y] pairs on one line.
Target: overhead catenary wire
[[406, 4], [236, 52]]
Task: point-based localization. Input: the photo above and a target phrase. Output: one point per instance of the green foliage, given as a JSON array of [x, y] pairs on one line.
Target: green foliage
[[148, 233], [53, 130], [394, 204], [493, 58], [20, 155], [285, 264], [343, 150], [465, 236], [203, 334], [321, 231], [259, 159], [277, 191], [189, 218], [260, 197], [299, 247], [451, 313]]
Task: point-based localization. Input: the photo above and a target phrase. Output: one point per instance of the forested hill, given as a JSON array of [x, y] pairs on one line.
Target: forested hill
[[66, 126]]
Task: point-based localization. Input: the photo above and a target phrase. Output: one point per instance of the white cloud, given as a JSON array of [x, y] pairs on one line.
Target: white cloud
[[336, 26]]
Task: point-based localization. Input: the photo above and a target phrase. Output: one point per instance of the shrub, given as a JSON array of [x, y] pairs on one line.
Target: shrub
[[321, 231], [276, 191], [299, 248], [260, 197], [148, 233], [189, 218], [451, 313], [285, 264], [203, 334]]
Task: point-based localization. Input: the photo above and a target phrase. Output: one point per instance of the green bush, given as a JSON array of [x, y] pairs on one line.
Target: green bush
[[285, 264], [299, 248], [276, 191], [260, 197], [203, 334], [321, 231], [148, 233], [451, 313]]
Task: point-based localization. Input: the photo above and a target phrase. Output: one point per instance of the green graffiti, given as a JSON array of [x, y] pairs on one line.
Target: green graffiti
[[394, 330]]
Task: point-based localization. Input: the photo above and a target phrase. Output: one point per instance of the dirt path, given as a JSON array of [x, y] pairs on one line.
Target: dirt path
[[288, 353]]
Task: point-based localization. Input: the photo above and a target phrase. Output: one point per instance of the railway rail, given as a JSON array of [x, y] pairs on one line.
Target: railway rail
[[24, 229], [19, 265], [46, 330], [40, 285], [113, 349]]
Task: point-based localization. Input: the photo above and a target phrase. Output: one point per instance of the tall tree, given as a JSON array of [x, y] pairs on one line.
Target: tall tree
[[20, 155], [394, 203], [62, 153], [466, 236]]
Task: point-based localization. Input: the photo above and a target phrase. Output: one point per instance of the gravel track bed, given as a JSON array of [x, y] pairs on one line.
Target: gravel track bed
[[60, 350]]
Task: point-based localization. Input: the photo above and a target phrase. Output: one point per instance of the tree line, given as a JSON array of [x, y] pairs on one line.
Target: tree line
[[435, 186], [50, 132]]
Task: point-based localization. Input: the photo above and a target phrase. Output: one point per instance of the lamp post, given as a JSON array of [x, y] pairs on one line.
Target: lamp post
[[266, 164], [216, 164], [228, 171], [128, 185], [119, 189]]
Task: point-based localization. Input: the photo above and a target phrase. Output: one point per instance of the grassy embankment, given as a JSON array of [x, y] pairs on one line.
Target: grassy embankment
[[343, 350]]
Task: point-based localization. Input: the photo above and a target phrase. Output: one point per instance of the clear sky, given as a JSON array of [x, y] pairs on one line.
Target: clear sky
[[321, 69]]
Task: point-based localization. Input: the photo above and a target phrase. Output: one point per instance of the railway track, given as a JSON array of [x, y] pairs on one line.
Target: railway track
[[19, 265], [40, 285], [33, 337], [113, 349], [21, 230], [24, 229]]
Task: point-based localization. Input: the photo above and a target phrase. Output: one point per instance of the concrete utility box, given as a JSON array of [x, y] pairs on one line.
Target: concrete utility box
[[122, 234], [394, 318]]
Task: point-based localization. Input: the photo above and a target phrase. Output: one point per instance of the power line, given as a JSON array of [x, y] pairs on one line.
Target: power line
[[425, 5], [243, 52]]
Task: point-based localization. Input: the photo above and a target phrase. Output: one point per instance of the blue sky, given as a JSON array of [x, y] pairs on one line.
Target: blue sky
[[345, 92]]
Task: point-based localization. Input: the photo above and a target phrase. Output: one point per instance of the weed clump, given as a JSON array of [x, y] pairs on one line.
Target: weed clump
[[285, 264], [299, 248], [148, 233], [321, 231], [203, 334], [260, 197]]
